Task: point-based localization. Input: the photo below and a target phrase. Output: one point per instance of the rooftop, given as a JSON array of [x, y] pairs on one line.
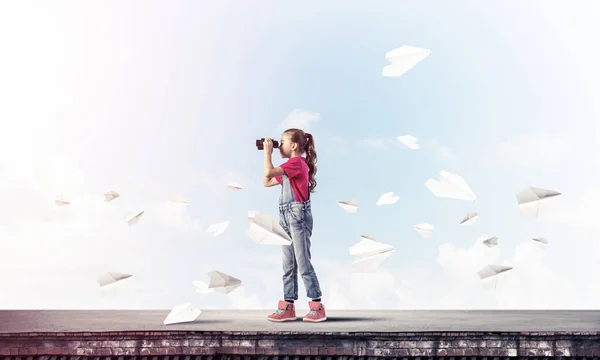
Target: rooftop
[[339, 321]]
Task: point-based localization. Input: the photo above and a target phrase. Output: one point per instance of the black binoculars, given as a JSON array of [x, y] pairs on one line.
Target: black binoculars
[[259, 144]]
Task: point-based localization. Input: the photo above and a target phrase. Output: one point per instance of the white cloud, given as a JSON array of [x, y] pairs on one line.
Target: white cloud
[[300, 119], [532, 151], [530, 284]]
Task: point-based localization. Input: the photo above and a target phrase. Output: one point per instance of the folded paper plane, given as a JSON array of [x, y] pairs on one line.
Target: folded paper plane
[[178, 199], [223, 283], [218, 228], [367, 237], [369, 254], [387, 199], [492, 270], [469, 219], [234, 186], [530, 198], [350, 206], [489, 242], [425, 230], [403, 59], [540, 242], [133, 220], [110, 196], [181, 314], [411, 142], [450, 186], [112, 278], [60, 201], [265, 229]]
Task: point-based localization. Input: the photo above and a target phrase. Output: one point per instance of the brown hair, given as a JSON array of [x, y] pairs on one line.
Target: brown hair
[[306, 144]]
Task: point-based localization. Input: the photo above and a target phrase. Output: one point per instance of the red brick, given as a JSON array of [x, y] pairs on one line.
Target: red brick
[[441, 352]]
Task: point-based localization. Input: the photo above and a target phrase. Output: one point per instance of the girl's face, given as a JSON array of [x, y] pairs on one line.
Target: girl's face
[[286, 147]]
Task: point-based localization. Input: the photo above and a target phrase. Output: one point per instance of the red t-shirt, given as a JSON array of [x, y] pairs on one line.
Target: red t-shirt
[[297, 170]]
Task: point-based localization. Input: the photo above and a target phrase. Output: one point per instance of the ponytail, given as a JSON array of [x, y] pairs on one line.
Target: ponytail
[[311, 161]]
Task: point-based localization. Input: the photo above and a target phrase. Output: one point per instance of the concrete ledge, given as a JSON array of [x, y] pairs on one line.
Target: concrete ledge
[[334, 345], [348, 335]]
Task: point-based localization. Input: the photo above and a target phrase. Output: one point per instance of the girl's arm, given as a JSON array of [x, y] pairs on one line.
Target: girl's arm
[[270, 182], [270, 170]]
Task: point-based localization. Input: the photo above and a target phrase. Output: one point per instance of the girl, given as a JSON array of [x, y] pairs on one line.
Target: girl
[[297, 177]]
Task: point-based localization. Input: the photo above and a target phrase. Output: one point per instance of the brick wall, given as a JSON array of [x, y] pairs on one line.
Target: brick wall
[[295, 346]]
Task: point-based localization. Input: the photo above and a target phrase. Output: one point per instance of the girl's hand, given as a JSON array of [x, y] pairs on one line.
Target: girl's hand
[[268, 146]]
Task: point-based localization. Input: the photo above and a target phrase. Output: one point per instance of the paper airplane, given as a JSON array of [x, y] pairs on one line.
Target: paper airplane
[[181, 314], [178, 199], [541, 242], [135, 219], [60, 201], [367, 237], [350, 206], [112, 278], [409, 141], [234, 186], [529, 200], [489, 242], [403, 59], [425, 229], [469, 219], [387, 199], [218, 228], [450, 186], [369, 254], [492, 270], [265, 229], [222, 282], [110, 196]]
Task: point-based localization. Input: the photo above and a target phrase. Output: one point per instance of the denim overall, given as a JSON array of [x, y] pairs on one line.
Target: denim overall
[[297, 221]]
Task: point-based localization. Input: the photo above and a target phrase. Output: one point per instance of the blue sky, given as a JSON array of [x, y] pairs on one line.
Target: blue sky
[[170, 97]]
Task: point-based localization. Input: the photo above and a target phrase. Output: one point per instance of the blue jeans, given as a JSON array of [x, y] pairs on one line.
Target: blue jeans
[[297, 221]]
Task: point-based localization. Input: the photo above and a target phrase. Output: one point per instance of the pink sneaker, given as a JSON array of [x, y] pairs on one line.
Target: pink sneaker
[[316, 313], [285, 312]]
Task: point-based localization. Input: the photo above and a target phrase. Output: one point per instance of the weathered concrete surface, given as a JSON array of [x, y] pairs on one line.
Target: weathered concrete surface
[[348, 321]]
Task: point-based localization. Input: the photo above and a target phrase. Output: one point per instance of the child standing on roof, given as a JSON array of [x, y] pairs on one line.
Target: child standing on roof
[[297, 177]]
